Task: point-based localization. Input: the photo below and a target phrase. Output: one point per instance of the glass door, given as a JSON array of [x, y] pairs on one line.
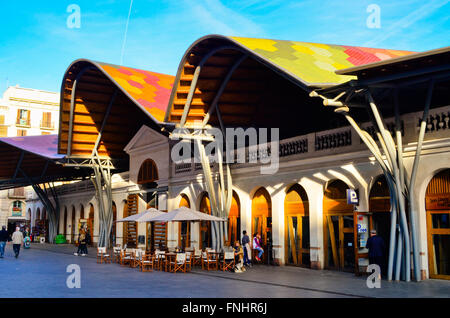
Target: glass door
[[298, 240], [262, 225], [340, 242], [347, 240], [438, 223], [184, 229]]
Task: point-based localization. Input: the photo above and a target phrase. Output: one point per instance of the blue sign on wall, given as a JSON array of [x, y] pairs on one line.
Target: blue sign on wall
[[352, 197]]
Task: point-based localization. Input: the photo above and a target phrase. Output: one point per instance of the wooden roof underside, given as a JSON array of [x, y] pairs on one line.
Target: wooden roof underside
[[93, 94], [256, 95]]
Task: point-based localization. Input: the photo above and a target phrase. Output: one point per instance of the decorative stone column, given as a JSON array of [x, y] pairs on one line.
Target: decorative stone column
[[314, 191], [278, 241]]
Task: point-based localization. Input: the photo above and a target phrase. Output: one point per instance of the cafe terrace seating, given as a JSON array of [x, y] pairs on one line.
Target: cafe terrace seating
[[136, 257], [102, 255], [126, 256], [178, 263], [116, 254], [228, 261], [209, 260], [147, 263]]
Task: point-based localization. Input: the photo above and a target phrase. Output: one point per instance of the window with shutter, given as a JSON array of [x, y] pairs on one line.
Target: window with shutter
[[46, 120], [3, 129]]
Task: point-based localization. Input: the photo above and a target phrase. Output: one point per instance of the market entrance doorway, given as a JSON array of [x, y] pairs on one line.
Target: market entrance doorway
[[380, 210], [262, 222], [296, 210], [437, 204], [339, 236]]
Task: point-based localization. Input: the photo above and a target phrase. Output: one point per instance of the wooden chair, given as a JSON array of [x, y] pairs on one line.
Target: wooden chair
[[125, 257], [228, 261], [156, 261], [136, 258], [209, 260], [116, 254], [197, 258], [102, 255], [147, 262], [179, 264], [189, 259]]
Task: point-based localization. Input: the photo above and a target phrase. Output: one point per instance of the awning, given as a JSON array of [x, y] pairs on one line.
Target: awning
[[184, 214], [17, 218], [32, 159], [142, 216]]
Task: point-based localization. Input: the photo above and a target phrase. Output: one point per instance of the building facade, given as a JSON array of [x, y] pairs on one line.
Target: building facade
[[328, 190], [302, 210], [24, 112]]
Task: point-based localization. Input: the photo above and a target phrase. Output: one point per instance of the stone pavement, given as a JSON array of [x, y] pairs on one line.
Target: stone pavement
[[41, 272]]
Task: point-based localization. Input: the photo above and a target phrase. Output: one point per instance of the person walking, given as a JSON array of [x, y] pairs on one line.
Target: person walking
[[17, 239], [257, 246], [247, 250], [88, 241], [376, 247], [3, 240], [81, 244]]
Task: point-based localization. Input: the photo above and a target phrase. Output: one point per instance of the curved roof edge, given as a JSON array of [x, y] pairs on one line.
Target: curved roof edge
[[406, 58], [45, 146], [309, 65], [133, 85]]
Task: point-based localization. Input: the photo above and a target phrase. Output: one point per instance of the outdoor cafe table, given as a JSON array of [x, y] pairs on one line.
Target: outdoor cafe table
[[161, 257], [169, 258]]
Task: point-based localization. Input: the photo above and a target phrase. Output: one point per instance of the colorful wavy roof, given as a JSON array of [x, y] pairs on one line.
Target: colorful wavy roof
[[149, 89], [314, 63]]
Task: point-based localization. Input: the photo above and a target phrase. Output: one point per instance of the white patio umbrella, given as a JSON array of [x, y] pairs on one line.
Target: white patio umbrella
[[184, 214], [142, 216]]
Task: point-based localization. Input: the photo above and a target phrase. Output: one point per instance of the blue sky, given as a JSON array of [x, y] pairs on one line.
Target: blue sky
[[36, 46]]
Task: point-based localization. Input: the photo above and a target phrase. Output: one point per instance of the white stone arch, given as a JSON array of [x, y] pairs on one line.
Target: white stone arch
[[189, 195], [87, 211], [199, 198], [63, 210], [81, 207], [424, 176]]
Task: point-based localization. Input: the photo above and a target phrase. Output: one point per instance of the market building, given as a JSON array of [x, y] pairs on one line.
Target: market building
[[129, 119]]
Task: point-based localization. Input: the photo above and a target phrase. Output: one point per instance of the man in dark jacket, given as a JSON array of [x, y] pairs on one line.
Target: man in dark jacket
[[376, 247], [3, 239], [246, 246]]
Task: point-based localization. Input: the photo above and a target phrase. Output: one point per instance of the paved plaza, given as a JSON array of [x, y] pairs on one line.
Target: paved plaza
[[41, 272]]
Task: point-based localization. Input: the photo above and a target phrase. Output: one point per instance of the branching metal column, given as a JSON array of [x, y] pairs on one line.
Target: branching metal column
[[220, 196], [393, 168]]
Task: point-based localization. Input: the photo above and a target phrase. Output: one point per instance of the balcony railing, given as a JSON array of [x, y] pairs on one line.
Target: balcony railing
[[340, 140], [333, 140], [436, 122], [23, 122], [47, 125]]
